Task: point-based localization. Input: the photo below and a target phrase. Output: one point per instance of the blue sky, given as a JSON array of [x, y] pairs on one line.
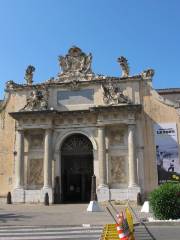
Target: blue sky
[[146, 32]]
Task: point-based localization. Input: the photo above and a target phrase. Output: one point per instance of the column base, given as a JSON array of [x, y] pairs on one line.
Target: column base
[[103, 193], [124, 194], [132, 192], [18, 195]]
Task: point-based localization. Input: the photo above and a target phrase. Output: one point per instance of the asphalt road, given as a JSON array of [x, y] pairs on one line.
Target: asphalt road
[[159, 232]]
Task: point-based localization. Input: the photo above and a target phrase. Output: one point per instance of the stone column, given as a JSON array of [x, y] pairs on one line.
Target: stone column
[[48, 159], [102, 157], [19, 170], [131, 156]]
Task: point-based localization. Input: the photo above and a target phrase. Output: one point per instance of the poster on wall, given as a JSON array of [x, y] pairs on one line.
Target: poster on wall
[[167, 155]]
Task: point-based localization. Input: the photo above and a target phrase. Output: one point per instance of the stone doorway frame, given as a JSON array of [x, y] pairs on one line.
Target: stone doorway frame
[[57, 156]]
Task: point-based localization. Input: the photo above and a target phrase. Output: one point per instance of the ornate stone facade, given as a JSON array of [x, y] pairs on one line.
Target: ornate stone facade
[[104, 123]]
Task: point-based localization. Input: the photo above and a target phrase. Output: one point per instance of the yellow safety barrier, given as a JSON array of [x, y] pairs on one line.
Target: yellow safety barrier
[[109, 232], [129, 218]]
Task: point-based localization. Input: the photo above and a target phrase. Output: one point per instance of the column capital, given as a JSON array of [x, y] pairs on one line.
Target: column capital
[[48, 130], [132, 124], [101, 127], [131, 127], [20, 130]]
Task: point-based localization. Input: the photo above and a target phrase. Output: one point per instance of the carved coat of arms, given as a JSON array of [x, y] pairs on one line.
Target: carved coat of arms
[[75, 61]]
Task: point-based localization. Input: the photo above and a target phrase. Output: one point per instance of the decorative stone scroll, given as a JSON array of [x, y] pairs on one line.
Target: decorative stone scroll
[[29, 74], [10, 85], [75, 61], [37, 101], [124, 65], [113, 94], [149, 73]]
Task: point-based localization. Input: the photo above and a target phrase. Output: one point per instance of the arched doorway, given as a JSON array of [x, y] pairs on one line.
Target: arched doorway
[[76, 168]]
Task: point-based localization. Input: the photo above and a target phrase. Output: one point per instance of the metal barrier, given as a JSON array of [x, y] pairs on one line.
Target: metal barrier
[[109, 232], [123, 227]]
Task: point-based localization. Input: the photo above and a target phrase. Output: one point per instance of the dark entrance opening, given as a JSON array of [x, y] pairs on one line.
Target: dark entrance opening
[[77, 168]]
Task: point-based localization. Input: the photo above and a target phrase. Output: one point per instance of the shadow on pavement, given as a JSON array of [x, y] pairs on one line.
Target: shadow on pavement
[[5, 217], [142, 234]]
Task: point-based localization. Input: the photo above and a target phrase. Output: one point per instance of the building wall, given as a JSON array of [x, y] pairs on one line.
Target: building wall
[[154, 112], [138, 91], [7, 140], [170, 94]]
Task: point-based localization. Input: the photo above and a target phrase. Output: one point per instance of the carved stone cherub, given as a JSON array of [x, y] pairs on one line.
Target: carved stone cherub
[[37, 100], [124, 65], [29, 74]]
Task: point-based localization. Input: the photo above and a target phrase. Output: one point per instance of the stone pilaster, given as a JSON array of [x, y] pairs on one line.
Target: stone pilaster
[[19, 166], [48, 159], [102, 157], [103, 190], [131, 156], [18, 192]]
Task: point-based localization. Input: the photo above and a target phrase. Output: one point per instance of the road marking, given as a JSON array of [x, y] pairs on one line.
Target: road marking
[[45, 232]]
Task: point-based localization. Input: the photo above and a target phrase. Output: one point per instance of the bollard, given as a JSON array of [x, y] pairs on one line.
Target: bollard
[[139, 199], [57, 191], [46, 199], [93, 205], [93, 189], [9, 201]]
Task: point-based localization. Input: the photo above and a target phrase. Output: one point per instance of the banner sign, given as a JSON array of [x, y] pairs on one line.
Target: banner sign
[[167, 156]]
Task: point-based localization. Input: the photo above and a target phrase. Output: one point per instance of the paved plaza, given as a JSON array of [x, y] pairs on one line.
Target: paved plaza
[[62, 214], [70, 221], [59, 214]]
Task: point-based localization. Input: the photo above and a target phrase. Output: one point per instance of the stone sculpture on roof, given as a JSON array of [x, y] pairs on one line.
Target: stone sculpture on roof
[[124, 65], [29, 74], [75, 61], [149, 73]]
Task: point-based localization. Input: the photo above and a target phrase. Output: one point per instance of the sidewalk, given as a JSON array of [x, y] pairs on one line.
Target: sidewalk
[[62, 214]]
